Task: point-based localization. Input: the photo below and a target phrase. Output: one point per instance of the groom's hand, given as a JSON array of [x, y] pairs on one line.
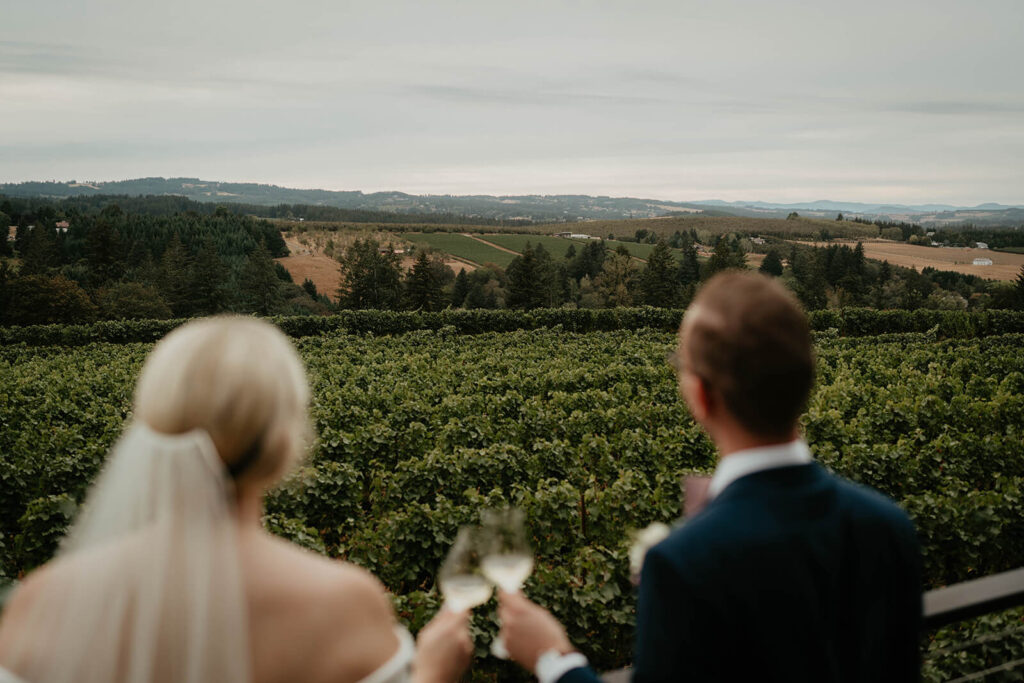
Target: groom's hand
[[529, 630]]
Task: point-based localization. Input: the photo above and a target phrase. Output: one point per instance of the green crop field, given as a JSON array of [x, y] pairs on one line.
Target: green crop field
[[461, 246], [556, 246], [419, 431]]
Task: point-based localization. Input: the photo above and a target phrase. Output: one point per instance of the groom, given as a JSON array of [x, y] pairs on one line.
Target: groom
[[789, 573]]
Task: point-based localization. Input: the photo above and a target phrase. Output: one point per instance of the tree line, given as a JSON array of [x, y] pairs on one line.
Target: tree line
[[79, 263], [594, 276], [78, 266]]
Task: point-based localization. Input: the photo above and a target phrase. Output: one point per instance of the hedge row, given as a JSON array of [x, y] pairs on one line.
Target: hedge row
[[850, 322]]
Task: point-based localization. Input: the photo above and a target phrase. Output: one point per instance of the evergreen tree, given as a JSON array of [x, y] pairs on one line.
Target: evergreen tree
[[309, 287], [475, 296], [533, 280], [39, 250], [175, 278], [772, 264], [261, 288], [371, 276], [658, 283], [689, 266], [424, 287], [127, 300], [104, 253], [1019, 288], [617, 280], [808, 270], [209, 280], [461, 289], [5, 246], [724, 257], [588, 261]]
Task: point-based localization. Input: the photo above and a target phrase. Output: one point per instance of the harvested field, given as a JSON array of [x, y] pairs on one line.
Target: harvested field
[[322, 270], [308, 261], [1005, 266]]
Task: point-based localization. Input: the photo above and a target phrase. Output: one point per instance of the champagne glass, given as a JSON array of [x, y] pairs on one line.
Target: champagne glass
[[460, 579], [507, 559]]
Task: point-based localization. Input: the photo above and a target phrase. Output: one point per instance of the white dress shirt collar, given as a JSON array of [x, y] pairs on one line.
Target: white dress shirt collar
[[750, 460]]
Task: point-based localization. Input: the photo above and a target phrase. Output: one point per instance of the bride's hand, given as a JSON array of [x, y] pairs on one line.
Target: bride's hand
[[443, 648]]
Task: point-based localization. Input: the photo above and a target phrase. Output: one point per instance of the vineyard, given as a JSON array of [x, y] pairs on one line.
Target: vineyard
[[584, 430]]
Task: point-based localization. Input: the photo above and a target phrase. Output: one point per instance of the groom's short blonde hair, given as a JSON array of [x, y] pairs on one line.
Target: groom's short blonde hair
[[749, 341]]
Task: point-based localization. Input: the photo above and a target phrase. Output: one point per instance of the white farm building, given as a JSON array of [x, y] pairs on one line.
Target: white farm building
[[983, 262]]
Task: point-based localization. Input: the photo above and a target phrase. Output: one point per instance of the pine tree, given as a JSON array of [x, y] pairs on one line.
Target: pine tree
[[461, 289], [209, 280], [371, 276], [721, 259], [39, 250], [524, 280], [176, 277], [1019, 288], [260, 286], [424, 287], [772, 264], [809, 273], [617, 280], [689, 266], [533, 280], [104, 253], [658, 283]]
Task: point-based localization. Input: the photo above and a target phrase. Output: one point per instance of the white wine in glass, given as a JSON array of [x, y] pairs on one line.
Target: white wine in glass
[[462, 583], [508, 571], [507, 559]]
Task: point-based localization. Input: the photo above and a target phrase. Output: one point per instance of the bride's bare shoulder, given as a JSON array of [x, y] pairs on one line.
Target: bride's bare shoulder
[[320, 578], [343, 610]]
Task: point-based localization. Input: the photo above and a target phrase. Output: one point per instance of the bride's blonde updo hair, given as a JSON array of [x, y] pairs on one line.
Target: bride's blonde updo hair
[[238, 378]]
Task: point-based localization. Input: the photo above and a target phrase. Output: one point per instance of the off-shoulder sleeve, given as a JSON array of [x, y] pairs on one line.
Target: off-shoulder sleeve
[[398, 669]]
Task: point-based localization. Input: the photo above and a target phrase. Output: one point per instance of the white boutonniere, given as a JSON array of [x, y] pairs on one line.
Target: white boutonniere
[[644, 540]]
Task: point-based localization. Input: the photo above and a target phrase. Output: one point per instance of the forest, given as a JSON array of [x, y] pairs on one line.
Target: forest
[[87, 259]]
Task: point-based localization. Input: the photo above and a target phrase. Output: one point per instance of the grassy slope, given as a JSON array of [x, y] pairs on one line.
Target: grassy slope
[[461, 246]]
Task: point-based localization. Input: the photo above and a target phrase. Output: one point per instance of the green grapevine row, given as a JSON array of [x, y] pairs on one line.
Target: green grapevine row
[[419, 431]]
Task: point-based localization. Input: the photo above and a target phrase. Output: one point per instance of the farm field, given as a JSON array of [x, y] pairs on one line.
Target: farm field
[[461, 246], [1005, 265], [419, 431], [556, 246], [307, 262], [720, 225]]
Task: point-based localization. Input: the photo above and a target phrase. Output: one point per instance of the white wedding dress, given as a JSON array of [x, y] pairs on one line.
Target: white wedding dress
[[147, 586]]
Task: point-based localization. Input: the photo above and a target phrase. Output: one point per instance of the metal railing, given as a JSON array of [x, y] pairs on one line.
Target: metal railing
[[944, 607]]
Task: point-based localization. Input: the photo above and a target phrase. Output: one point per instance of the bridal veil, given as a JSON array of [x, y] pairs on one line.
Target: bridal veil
[[148, 586]]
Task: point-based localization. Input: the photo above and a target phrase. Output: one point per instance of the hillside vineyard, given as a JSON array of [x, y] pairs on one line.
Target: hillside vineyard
[[584, 431]]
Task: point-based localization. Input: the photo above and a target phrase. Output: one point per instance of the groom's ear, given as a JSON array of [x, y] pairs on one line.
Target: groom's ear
[[698, 396]]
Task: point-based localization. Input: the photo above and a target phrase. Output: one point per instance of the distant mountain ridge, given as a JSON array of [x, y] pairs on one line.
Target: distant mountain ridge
[[859, 207], [532, 207], [538, 208]]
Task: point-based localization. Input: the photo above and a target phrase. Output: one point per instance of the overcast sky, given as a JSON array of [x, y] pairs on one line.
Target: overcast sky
[[788, 100]]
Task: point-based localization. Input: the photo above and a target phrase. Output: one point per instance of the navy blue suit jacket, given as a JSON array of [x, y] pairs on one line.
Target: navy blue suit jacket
[[790, 574]]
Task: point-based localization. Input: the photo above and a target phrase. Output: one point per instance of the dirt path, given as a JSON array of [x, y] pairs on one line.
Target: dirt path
[[491, 244]]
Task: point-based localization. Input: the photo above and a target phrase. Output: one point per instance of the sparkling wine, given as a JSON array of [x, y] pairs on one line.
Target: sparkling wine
[[508, 572], [465, 591]]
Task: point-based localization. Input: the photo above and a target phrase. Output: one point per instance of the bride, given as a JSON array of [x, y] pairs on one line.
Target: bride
[[168, 574]]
